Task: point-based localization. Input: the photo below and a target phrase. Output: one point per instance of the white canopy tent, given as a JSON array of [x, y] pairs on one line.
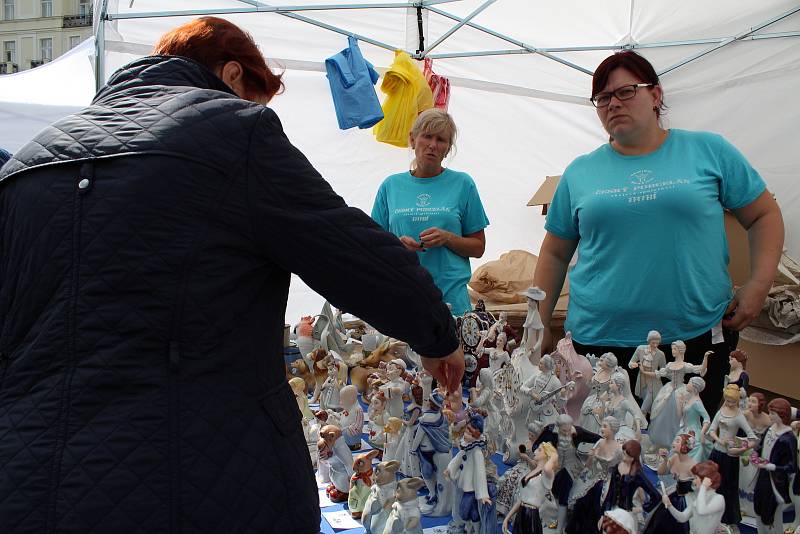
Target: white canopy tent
[[520, 74]]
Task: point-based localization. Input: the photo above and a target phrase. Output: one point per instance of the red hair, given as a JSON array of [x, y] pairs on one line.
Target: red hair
[[212, 42], [762, 401], [633, 449], [782, 408], [740, 356], [708, 469]]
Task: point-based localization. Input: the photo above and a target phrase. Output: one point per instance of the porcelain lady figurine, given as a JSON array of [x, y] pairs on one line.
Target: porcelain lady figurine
[[542, 392], [409, 463], [585, 498], [626, 411], [381, 497], [705, 511], [361, 482], [431, 445], [395, 388], [532, 327], [534, 488], [727, 422], [592, 409], [377, 420], [777, 465], [352, 417], [679, 465], [626, 478], [664, 418], [485, 398], [329, 392], [508, 486], [756, 414], [467, 471], [648, 389], [572, 367], [738, 375], [759, 420], [694, 418]]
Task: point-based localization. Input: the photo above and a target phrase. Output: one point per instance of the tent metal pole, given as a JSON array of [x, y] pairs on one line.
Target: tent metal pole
[[460, 24], [729, 40], [100, 47], [511, 40]]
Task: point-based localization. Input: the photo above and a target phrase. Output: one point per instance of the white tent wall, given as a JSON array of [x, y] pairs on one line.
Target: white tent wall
[[521, 116]]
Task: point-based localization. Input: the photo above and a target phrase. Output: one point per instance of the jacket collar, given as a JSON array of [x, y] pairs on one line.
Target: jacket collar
[[162, 70]]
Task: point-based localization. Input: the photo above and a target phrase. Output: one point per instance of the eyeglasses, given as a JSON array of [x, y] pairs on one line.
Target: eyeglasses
[[626, 92]]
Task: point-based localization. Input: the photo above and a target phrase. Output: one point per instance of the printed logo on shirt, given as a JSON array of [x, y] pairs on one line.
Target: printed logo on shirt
[[643, 188], [423, 200]]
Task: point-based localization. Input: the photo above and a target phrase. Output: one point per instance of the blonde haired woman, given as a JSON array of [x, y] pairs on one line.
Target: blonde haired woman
[[435, 211]]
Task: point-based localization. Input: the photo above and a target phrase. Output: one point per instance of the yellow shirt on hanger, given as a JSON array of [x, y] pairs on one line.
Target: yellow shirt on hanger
[[407, 94]]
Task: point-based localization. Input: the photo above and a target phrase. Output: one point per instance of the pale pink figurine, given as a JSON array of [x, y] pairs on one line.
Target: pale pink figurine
[[305, 339], [572, 367], [352, 417]]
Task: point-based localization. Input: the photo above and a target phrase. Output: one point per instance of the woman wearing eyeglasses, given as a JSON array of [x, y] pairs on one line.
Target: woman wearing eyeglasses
[[645, 213]]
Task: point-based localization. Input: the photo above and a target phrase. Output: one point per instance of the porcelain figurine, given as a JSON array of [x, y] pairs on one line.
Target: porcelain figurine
[[664, 418], [392, 436], [383, 353], [352, 417], [431, 445], [626, 478], [335, 462], [361, 482], [624, 409], [485, 397], [318, 360], [329, 391], [756, 413], [618, 521], [587, 489], [404, 517], [795, 496], [512, 404], [377, 420], [456, 411], [298, 386], [304, 330], [533, 328], [679, 464], [381, 496], [300, 368], [409, 463], [510, 481], [593, 407], [544, 395], [777, 464], [534, 488], [737, 375], [566, 438], [727, 422], [694, 418], [651, 359], [467, 471], [425, 380], [572, 367], [759, 420], [395, 388], [704, 512]]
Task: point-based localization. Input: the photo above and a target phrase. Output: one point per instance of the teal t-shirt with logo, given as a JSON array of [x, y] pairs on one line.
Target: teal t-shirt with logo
[[406, 205], [652, 250]]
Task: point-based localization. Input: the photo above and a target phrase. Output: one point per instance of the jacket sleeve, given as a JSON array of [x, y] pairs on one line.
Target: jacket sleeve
[[304, 227]]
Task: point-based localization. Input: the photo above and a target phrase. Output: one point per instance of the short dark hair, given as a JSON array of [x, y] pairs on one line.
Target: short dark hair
[[630, 61]]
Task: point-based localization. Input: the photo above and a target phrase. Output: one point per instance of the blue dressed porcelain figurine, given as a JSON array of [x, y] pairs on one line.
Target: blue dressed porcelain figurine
[[431, 445]]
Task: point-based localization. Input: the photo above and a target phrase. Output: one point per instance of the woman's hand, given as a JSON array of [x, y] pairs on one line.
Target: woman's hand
[[410, 243], [746, 305], [435, 237]]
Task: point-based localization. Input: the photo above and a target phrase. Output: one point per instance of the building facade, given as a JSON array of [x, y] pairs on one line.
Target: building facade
[[33, 32]]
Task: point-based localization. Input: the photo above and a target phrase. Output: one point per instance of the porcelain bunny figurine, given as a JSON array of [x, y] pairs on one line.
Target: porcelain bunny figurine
[[335, 462], [381, 497], [361, 482], [405, 515]]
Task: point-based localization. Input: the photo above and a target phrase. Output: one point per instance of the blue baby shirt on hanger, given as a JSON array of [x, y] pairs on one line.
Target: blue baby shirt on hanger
[[352, 80]]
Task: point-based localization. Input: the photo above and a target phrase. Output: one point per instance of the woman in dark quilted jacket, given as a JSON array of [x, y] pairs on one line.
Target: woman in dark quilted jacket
[[146, 245]]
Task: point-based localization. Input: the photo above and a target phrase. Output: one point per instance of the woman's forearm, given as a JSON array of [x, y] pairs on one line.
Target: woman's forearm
[[466, 246], [549, 277]]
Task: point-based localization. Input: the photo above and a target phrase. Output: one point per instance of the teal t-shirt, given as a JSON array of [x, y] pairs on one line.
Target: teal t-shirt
[[406, 205], [652, 250]]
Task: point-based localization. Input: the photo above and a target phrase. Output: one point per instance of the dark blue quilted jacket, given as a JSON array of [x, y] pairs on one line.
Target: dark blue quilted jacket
[[145, 250]]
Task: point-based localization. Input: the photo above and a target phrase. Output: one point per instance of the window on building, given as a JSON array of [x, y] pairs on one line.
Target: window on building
[[74, 41], [8, 9], [46, 45], [47, 8], [10, 51], [84, 8]]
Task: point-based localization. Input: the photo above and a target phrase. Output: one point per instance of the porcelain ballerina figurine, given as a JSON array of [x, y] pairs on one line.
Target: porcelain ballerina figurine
[[727, 422], [679, 464], [652, 359], [664, 418], [777, 465], [705, 511]]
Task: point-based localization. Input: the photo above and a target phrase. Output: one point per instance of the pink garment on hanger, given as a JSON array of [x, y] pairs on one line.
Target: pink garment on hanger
[[440, 86]]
